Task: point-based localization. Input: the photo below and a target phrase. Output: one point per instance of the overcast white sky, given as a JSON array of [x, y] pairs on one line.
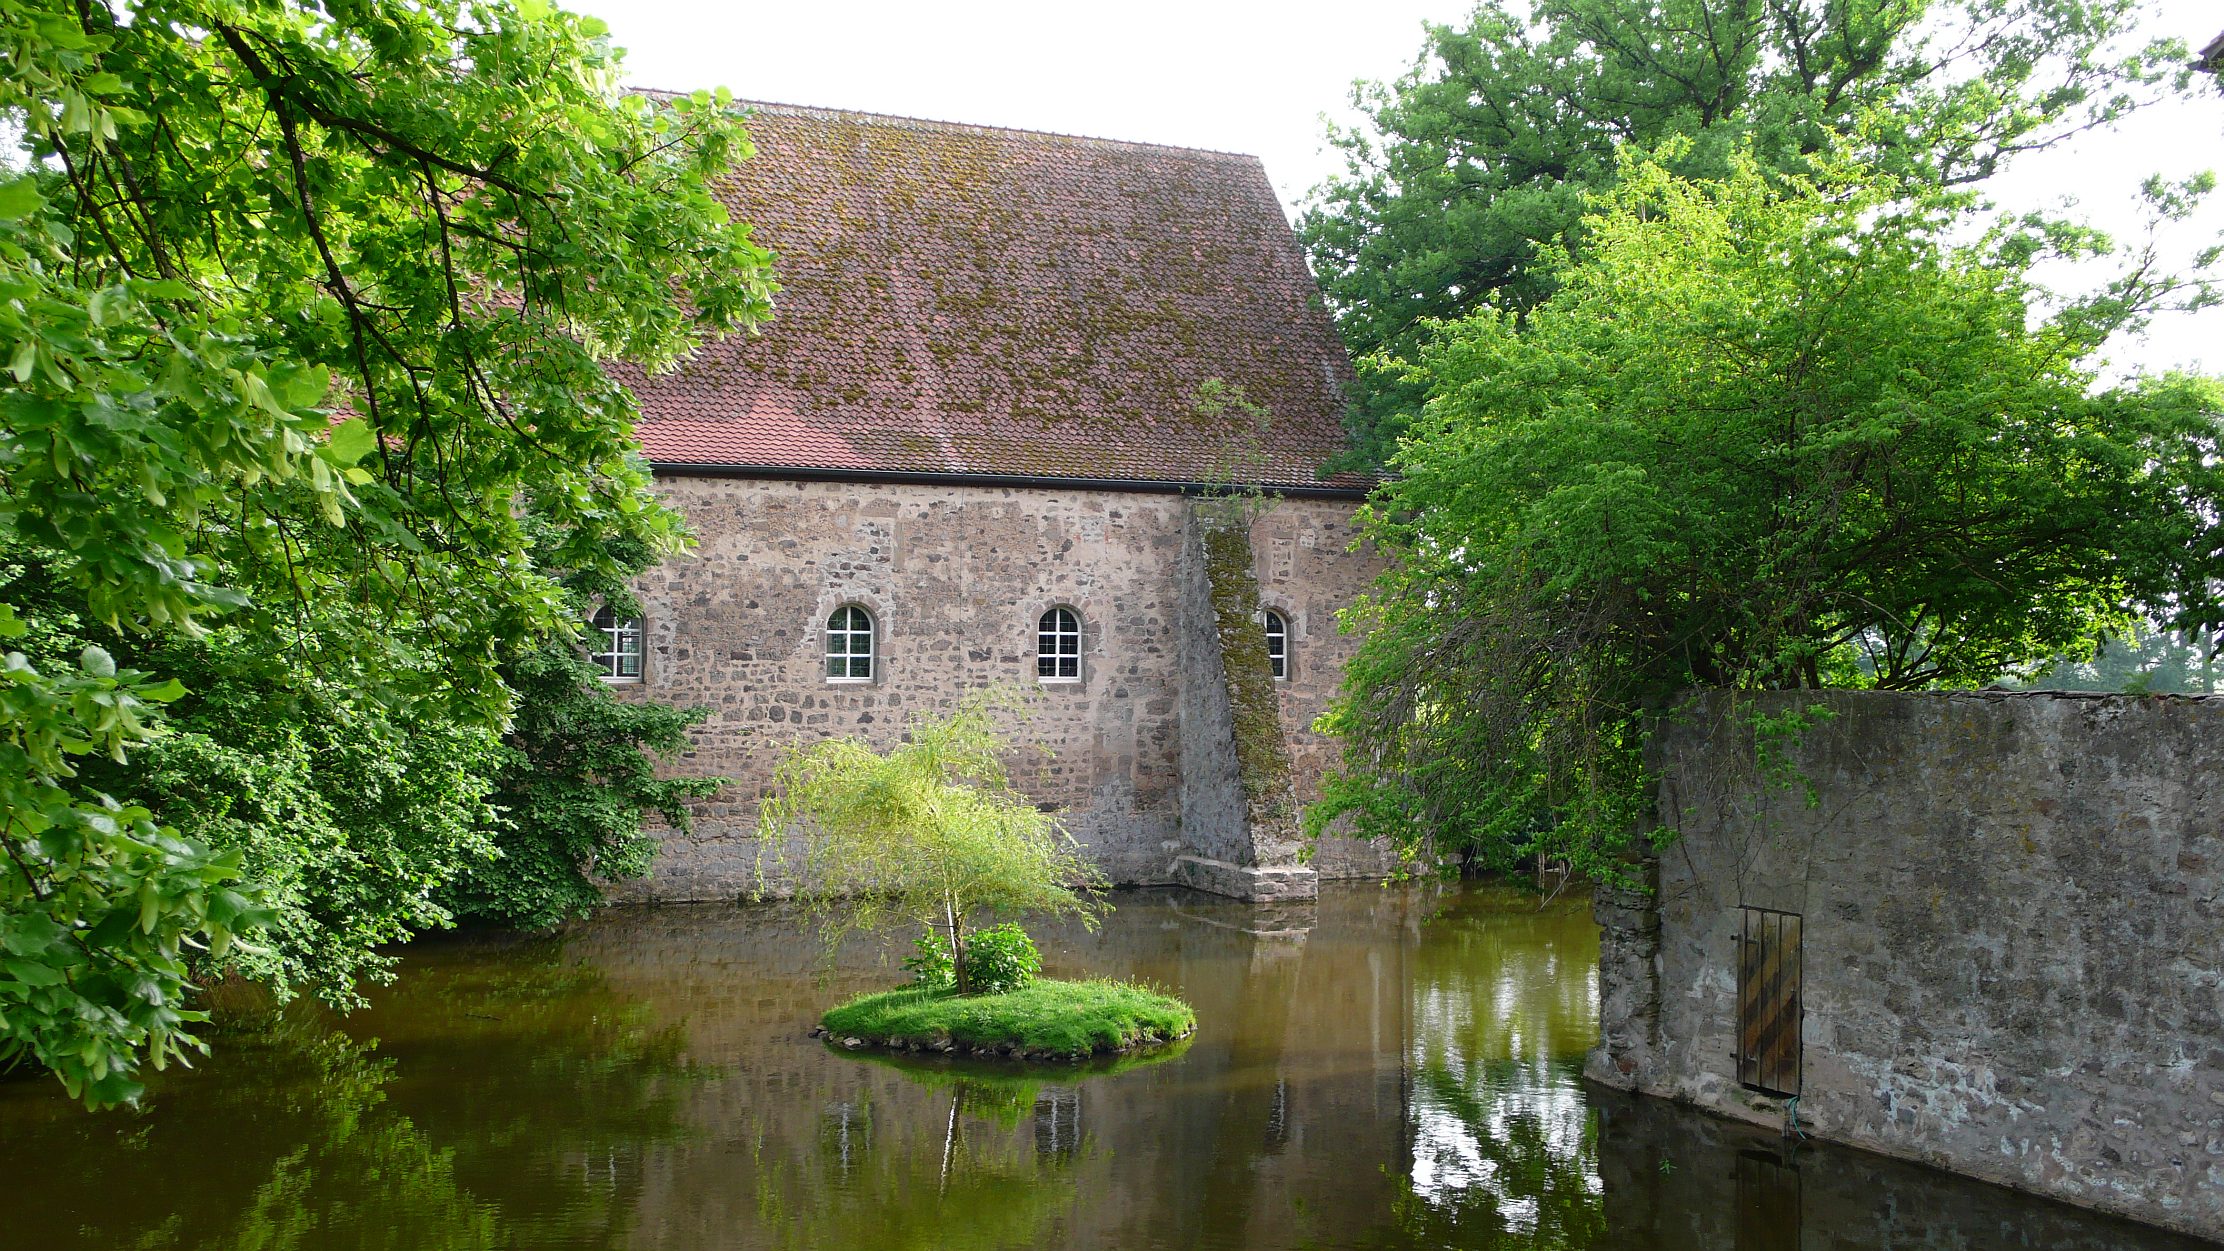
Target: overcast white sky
[[1257, 76]]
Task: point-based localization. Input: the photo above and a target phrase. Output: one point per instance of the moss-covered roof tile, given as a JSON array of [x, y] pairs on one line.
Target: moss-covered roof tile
[[966, 299]]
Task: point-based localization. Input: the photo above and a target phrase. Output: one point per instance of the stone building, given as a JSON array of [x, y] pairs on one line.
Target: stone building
[[976, 446]]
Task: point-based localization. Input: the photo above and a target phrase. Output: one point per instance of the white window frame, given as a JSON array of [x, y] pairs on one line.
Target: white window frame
[[619, 640], [1058, 646], [848, 632], [1277, 630]]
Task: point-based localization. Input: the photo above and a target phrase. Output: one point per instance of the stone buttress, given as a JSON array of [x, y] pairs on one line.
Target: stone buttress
[[1240, 833]]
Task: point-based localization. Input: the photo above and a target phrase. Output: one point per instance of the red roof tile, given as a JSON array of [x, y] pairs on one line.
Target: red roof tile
[[970, 300]]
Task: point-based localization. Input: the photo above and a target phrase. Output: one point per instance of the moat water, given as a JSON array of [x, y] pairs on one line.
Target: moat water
[[1381, 1069]]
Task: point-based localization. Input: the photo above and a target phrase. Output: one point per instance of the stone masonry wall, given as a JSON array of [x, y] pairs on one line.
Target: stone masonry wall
[[956, 580], [2013, 936]]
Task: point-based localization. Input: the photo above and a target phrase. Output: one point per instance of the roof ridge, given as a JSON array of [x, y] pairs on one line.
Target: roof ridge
[[908, 122]]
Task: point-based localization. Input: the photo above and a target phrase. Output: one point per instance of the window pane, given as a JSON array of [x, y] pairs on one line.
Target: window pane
[[614, 644], [1058, 645], [849, 643]]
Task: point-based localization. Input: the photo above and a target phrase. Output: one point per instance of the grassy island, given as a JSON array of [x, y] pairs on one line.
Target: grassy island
[[1042, 1020]]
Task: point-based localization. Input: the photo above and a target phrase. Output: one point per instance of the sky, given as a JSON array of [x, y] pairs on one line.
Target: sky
[[1265, 78]]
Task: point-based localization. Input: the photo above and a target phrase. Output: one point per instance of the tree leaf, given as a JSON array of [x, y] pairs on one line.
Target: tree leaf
[[19, 198], [31, 972], [350, 441]]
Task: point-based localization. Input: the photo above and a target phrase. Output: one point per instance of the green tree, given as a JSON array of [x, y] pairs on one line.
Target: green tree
[[576, 774], [1771, 432], [929, 831], [306, 313], [345, 815], [360, 824], [2141, 660], [1469, 170]]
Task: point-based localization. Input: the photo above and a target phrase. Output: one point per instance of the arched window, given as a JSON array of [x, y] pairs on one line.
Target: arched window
[[617, 644], [849, 645], [1277, 642], [1058, 646]]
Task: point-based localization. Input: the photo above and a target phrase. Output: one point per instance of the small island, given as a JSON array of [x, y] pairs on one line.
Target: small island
[[932, 833], [1045, 1021]]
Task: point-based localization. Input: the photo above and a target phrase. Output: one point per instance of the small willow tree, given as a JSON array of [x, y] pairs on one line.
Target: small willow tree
[[929, 831]]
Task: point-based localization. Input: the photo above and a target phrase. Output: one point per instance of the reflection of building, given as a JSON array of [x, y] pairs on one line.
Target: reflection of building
[[1058, 1122]]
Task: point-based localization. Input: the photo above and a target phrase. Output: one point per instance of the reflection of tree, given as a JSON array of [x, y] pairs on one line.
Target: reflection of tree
[[506, 1086], [565, 1078], [1501, 979], [1504, 1147], [316, 1193], [986, 1186], [1506, 1161]]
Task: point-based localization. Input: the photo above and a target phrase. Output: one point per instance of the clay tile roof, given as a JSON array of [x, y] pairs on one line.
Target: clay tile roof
[[970, 300]]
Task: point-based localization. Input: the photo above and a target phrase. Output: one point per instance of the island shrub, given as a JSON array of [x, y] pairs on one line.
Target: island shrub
[[1001, 958], [931, 832], [1004, 959]]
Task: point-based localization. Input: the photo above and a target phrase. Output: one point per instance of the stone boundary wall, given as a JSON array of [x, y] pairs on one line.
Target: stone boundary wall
[[2013, 937]]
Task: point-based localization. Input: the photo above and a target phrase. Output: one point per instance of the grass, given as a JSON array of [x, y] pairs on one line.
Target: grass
[[1048, 1020]]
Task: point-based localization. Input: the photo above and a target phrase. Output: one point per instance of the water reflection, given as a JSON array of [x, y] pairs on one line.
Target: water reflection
[[1505, 1151], [305, 1134], [1382, 1069]]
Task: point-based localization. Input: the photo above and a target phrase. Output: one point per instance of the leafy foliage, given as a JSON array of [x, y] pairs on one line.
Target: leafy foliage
[[573, 779], [930, 831], [1001, 958], [344, 814], [929, 962], [349, 815], [101, 901], [1772, 431], [2141, 660], [577, 771], [1472, 169], [304, 311]]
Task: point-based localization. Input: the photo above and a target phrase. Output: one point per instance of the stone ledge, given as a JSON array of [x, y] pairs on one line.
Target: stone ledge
[[1247, 882]]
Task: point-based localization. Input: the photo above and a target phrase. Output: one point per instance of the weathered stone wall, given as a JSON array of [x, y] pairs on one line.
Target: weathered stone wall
[[2013, 945], [956, 581]]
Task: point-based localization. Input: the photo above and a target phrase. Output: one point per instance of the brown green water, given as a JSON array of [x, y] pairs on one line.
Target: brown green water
[[1381, 1069]]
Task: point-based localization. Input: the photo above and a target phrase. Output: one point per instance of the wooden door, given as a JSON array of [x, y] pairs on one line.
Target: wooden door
[[1769, 968]]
